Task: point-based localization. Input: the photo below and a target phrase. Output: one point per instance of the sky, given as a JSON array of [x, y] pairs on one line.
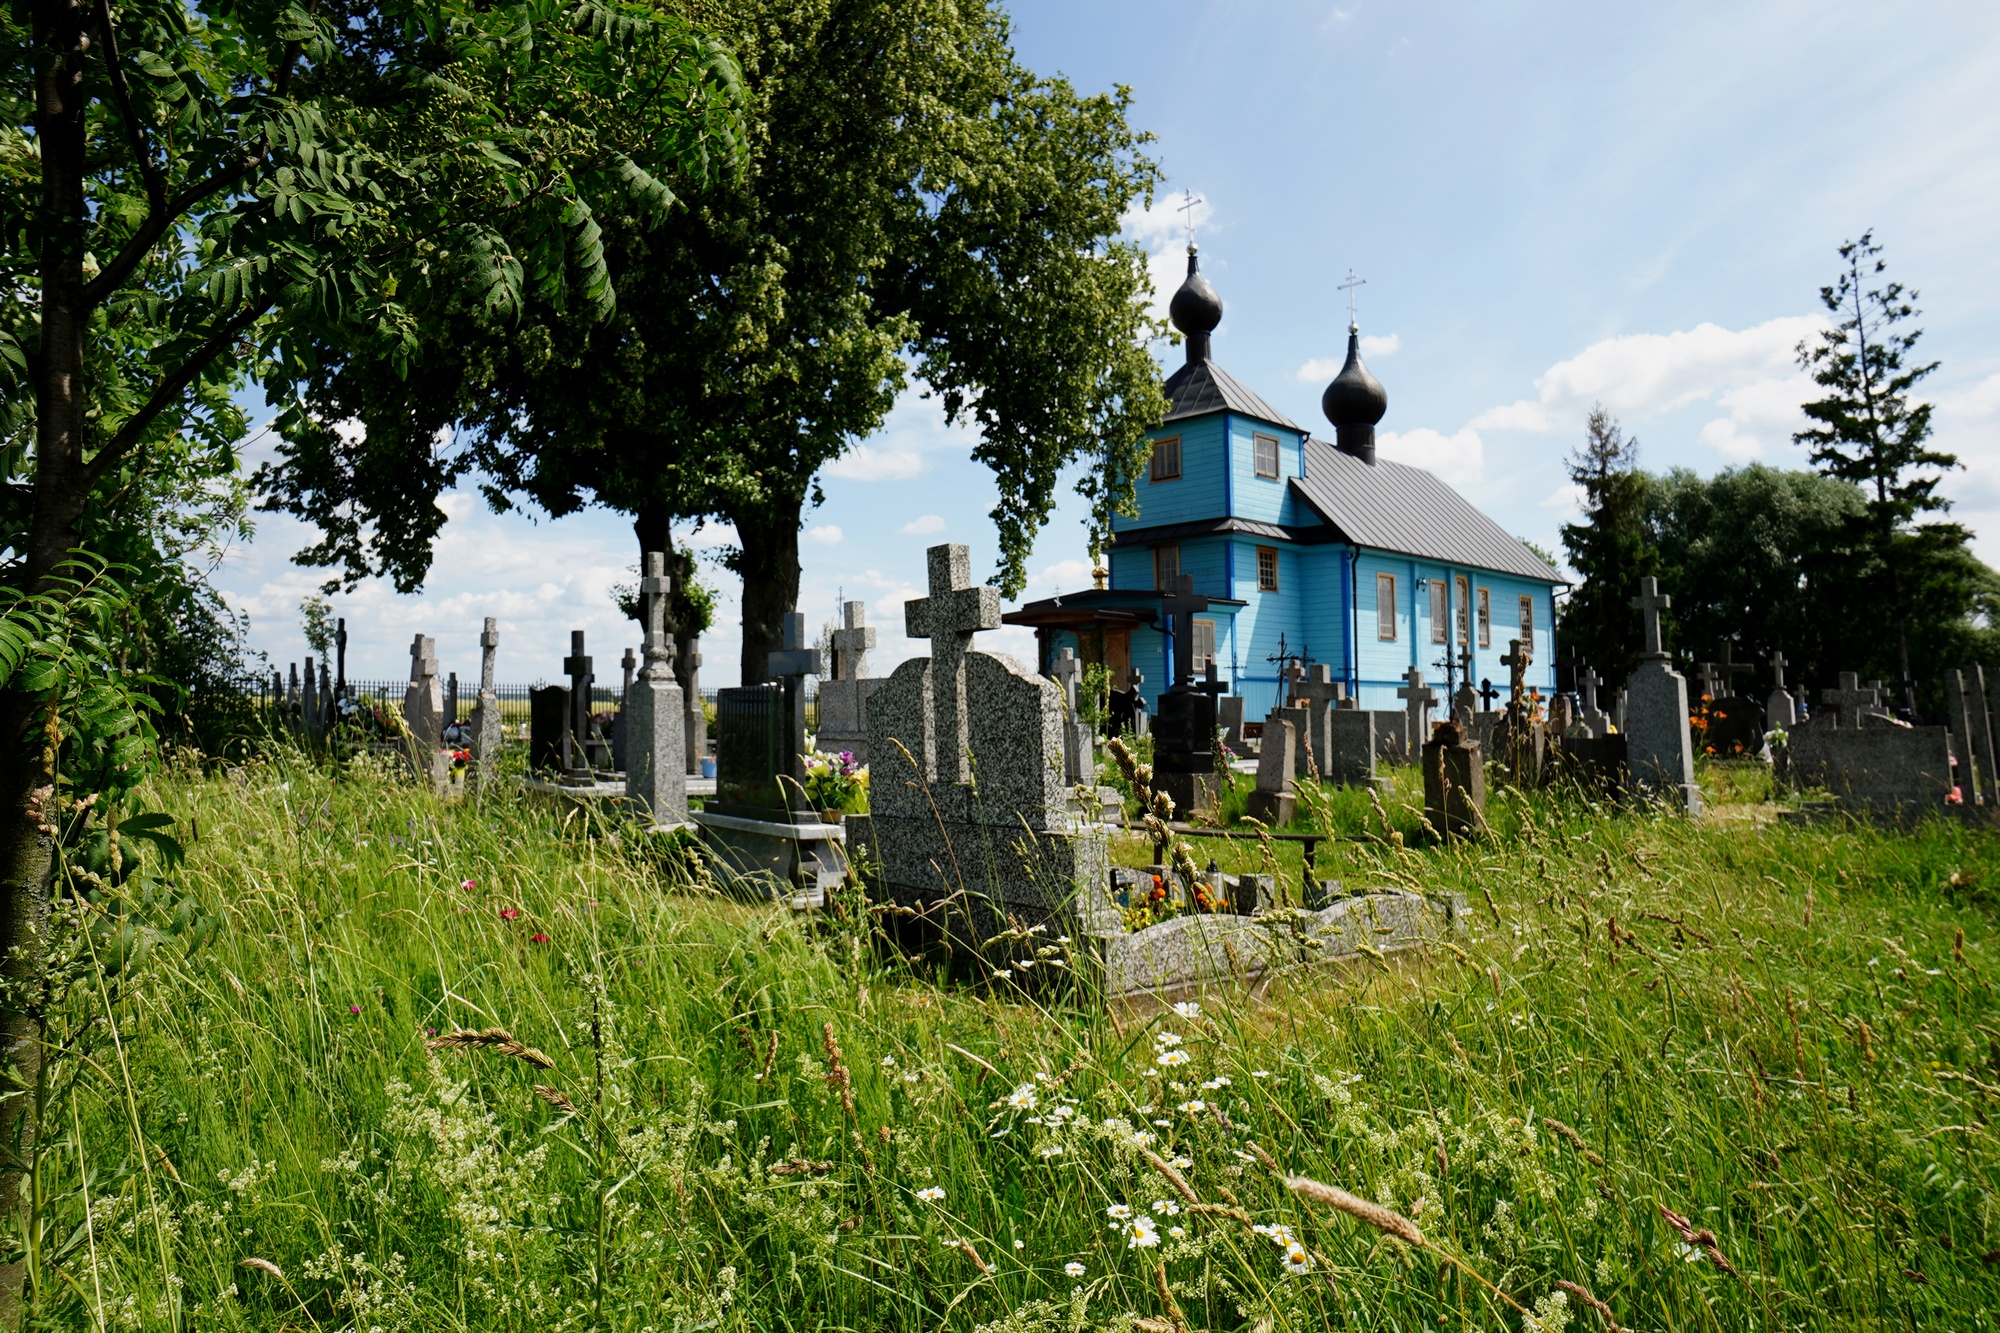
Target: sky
[[1552, 205]]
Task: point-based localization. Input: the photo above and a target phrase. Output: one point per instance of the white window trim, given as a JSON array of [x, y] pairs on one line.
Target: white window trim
[[1277, 457], [1385, 605]]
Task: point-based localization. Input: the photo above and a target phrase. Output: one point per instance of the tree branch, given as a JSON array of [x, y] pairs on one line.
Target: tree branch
[[135, 134], [168, 389], [161, 216]]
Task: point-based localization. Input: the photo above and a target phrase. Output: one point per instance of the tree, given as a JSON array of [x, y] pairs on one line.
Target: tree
[[916, 203], [198, 193], [1608, 549], [1871, 434]]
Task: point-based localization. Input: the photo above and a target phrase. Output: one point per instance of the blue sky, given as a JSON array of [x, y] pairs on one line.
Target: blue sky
[[1552, 204]]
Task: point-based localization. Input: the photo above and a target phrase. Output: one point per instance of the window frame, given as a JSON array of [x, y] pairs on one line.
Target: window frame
[[1461, 586], [1528, 620], [1257, 442], [1157, 473], [1440, 611], [1486, 617], [1385, 608], [1262, 552], [1165, 548], [1204, 628]]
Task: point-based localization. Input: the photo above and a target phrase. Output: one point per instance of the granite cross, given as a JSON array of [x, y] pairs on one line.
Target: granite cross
[[489, 644], [656, 646], [1851, 699], [1209, 684], [851, 642], [1649, 603], [1065, 671], [1419, 697], [628, 662], [1320, 691], [577, 666], [1586, 684], [791, 665], [1178, 605], [949, 617], [1706, 674], [1731, 668], [422, 664], [1777, 660], [340, 643], [1516, 661]]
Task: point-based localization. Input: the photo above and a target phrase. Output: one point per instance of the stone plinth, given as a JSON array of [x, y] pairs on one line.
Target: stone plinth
[[1184, 752], [843, 716], [1273, 802], [1351, 747], [771, 858], [1454, 783], [1659, 750], [1891, 771], [655, 751]]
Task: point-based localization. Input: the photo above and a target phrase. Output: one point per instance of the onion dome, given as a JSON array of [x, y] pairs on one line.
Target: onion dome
[[1196, 310], [1354, 402]]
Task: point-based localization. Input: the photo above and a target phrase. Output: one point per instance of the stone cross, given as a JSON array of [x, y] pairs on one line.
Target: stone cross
[[423, 708], [423, 658], [340, 645], [1487, 694], [1731, 668], [1586, 683], [1319, 692], [1418, 699], [485, 711], [628, 663], [657, 647], [1519, 656], [1294, 675], [489, 644], [949, 617], [1649, 603], [1851, 699], [1707, 676], [1065, 672], [1178, 605], [577, 666], [1777, 660], [309, 701], [1079, 752], [292, 694], [851, 642]]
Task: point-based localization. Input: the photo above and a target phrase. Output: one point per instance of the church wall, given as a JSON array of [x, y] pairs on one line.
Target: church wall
[[1261, 499], [1199, 492], [1266, 617], [1383, 664]]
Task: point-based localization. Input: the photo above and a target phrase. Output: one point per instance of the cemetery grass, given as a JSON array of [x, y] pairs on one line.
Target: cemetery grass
[[701, 1114]]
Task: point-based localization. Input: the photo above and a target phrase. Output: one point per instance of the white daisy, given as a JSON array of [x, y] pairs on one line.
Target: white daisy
[[1118, 1212], [888, 1062], [931, 1193], [1195, 1107], [1020, 1244], [1167, 1206], [1171, 1058], [1141, 1139], [1022, 1098], [1260, 1073], [1297, 1260], [1048, 1150], [1073, 1268], [1211, 1084], [1141, 1234], [1188, 1009], [912, 1076], [1166, 1039], [1177, 1233], [1181, 1163]]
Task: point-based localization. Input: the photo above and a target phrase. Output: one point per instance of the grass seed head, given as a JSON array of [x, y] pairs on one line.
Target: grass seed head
[[498, 1040], [1385, 1220]]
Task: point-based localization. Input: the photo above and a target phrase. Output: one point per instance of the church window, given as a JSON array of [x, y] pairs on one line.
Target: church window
[[1204, 644], [1166, 566], [1440, 617], [1167, 459], [1265, 450], [1528, 620], [1485, 617], [1385, 607], [1464, 593], [1267, 569]]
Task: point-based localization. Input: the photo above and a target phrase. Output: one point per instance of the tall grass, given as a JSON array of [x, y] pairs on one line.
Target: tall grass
[[1785, 1038]]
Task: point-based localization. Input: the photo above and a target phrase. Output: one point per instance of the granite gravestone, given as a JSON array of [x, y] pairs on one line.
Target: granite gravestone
[[1273, 801], [654, 713], [1417, 699], [1351, 747], [1588, 712], [694, 730], [1855, 705], [1184, 732], [966, 790], [588, 750], [1079, 745], [1229, 717], [843, 696], [548, 729], [423, 713], [1318, 691], [1454, 783], [1895, 772], [486, 733], [1781, 710], [309, 704], [1658, 747], [627, 664]]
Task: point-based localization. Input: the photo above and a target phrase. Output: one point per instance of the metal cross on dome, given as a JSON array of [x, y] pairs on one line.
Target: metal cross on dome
[[1187, 208], [1352, 282]]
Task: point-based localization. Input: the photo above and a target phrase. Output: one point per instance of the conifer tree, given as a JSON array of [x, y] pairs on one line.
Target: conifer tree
[[1609, 548]]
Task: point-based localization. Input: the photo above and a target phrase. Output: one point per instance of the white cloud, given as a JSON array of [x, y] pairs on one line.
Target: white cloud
[[1323, 368], [1458, 459], [1162, 231], [1319, 370], [923, 525], [1981, 400], [1386, 344], [826, 534], [866, 463]]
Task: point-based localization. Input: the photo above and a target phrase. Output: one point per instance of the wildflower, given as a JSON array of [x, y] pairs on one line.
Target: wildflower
[[1260, 1073], [509, 913], [1167, 1206], [468, 885], [1278, 1232], [1141, 1234], [538, 938], [1691, 1254], [1023, 964], [1002, 973], [1022, 1098], [1020, 1244], [1049, 1150], [1118, 1212], [1181, 1163], [1163, 1124], [888, 1062], [1219, 1081], [1171, 1058], [1195, 1107], [1188, 1009], [912, 1076], [931, 1193], [1297, 1260], [1073, 1268], [1166, 1039], [1177, 1233], [353, 1008], [1141, 1139], [1060, 1113]]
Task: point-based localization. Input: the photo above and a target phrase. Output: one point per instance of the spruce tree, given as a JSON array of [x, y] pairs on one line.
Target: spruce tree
[[1871, 434], [1608, 549]]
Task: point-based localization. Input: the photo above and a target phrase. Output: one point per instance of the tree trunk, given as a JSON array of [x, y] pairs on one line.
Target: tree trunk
[[769, 539]]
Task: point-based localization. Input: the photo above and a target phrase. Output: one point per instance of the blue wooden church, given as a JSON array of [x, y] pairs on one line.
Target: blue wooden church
[[1306, 549]]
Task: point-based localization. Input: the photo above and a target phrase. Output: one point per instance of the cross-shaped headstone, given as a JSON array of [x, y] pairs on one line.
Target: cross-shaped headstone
[[1065, 671], [577, 666], [1586, 684], [1178, 605], [1851, 699], [1707, 676], [1777, 660], [1649, 603], [293, 696], [794, 658], [1210, 684], [852, 641], [949, 617], [1487, 694], [423, 658], [489, 644], [628, 663], [656, 646], [1418, 698], [1731, 668], [340, 643], [1516, 660]]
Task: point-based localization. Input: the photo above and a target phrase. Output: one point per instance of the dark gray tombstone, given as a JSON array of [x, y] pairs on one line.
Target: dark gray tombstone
[[619, 730], [1658, 746], [1274, 801], [1454, 783], [653, 713], [486, 732], [549, 741], [1781, 710]]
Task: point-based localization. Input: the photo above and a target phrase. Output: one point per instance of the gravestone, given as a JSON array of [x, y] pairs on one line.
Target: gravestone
[[627, 665], [1781, 710], [1273, 801], [587, 751], [1229, 717], [843, 697], [1079, 745], [1319, 692], [650, 722], [1659, 750], [340, 650], [752, 749], [1892, 772], [1454, 783], [328, 700], [695, 730], [790, 666], [1417, 699], [1958, 717], [309, 702], [1588, 713], [423, 713], [486, 733], [1184, 732], [1351, 747], [1392, 734], [1126, 708], [1854, 705], [967, 794], [548, 729], [1982, 731], [1735, 726]]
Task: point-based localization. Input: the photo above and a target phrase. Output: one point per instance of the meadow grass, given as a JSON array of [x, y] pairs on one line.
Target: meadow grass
[[700, 1113]]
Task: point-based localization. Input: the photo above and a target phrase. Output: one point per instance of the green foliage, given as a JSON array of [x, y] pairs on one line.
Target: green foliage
[[914, 202], [1780, 1038], [316, 621], [1608, 549]]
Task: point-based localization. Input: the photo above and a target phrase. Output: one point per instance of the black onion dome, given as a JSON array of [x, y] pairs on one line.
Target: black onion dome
[[1196, 309], [1355, 398]]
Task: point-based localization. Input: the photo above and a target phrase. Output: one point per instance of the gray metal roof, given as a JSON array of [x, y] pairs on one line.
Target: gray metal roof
[[1394, 507], [1202, 386]]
